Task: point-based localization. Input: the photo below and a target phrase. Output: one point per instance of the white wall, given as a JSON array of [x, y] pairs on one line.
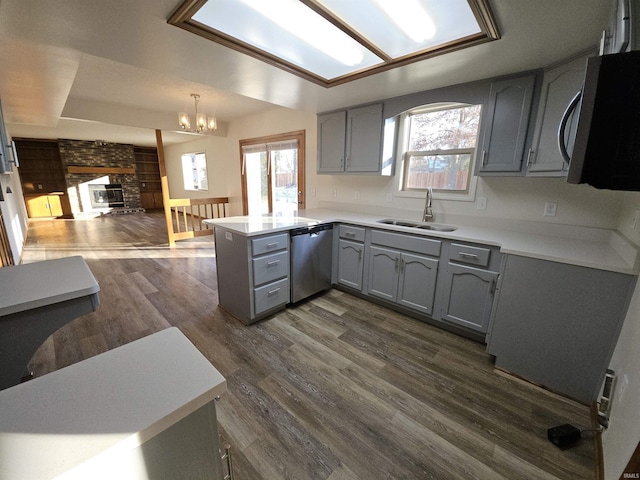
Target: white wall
[[14, 212], [215, 149], [623, 435]]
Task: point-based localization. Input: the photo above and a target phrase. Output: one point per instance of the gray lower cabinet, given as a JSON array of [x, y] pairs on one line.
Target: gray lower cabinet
[[403, 269], [468, 287], [557, 324], [349, 261], [253, 273], [404, 278], [468, 296]]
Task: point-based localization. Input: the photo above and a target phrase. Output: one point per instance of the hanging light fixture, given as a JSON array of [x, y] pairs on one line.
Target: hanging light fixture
[[203, 123]]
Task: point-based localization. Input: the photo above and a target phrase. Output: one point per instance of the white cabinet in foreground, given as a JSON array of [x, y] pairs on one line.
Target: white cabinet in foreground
[[143, 411]]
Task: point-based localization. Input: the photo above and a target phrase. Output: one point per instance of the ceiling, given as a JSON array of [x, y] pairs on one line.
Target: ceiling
[[116, 70]]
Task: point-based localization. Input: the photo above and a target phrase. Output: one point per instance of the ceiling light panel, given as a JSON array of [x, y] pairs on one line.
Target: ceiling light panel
[[330, 42], [404, 27], [289, 30]]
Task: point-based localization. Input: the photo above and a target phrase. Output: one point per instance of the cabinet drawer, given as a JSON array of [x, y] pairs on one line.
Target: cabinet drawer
[[269, 244], [352, 233], [270, 267], [471, 255], [271, 295], [413, 243]]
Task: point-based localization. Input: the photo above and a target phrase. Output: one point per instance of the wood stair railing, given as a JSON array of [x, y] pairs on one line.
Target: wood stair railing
[[184, 216]]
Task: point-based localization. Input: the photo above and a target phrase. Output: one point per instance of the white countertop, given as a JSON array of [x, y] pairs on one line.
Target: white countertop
[[589, 247], [33, 285], [104, 405]]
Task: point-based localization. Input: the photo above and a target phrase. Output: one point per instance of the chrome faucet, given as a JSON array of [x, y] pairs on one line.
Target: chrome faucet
[[428, 212]]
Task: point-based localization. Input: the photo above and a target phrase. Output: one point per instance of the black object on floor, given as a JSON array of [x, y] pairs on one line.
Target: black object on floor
[[564, 436]]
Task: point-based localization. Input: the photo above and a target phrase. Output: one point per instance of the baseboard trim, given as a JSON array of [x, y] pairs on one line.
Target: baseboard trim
[[598, 451]]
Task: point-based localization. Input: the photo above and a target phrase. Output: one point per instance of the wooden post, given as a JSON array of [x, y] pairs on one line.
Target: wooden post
[[164, 182]]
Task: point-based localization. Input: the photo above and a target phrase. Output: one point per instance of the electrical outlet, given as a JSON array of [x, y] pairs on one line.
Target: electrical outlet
[[356, 194], [388, 198], [335, 193], [550, 209], [313, 192], [481, 204]]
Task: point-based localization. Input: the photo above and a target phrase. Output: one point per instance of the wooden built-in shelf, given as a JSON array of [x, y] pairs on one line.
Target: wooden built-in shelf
[[102, 170]]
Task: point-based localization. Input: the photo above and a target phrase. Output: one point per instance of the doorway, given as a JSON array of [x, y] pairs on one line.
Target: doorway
[[272, 170]]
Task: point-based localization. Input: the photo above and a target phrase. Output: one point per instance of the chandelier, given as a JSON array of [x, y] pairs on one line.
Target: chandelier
[[203, 123]]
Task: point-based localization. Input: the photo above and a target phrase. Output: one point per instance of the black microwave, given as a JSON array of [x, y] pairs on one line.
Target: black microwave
[[606, 150]]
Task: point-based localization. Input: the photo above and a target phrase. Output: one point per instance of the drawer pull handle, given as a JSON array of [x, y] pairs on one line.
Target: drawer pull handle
[[273, 244], [273, 292], [468, 255], [272, 263], [349, 234]]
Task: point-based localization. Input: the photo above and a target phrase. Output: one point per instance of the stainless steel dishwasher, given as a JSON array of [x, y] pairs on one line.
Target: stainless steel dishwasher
[[310, 260]]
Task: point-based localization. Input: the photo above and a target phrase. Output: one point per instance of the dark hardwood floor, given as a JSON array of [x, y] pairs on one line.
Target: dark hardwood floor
[[335, 388]]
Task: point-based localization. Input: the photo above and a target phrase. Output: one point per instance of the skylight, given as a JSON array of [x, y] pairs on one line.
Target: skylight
[[330, 42]]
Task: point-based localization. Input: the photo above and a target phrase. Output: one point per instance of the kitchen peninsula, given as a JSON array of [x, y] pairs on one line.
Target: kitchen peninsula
[[548, 300]]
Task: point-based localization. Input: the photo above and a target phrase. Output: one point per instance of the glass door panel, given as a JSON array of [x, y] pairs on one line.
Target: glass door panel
[[284, 180], [257, 183]]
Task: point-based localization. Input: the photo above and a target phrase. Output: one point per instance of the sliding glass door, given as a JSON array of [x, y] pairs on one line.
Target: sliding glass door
[[272, 174]]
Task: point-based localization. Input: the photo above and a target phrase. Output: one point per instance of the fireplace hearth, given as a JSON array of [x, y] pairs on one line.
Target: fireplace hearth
[[106, 196]]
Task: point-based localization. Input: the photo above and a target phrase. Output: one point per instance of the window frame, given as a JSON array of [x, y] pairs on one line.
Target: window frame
[[403, 155], [195, 157]]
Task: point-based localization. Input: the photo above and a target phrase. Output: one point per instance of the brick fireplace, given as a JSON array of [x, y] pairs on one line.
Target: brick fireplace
[[90, 166]]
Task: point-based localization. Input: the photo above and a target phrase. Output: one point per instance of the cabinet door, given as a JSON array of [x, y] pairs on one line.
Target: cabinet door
[[468, 296], [350, 264], [44, 206], [617, 35], [364, 139], [506, 122], [331, 142], [560, 85], [384, 267], [417, 282], [157, 200], [147, 200]]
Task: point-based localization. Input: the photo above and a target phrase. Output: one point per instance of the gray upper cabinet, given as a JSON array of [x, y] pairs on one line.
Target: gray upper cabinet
[[616, 38], [331, 142], [351, 141], [505, 126], [559, 87]]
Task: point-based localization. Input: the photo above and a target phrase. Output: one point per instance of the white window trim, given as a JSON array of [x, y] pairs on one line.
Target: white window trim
[[194, 159], [403, 140]]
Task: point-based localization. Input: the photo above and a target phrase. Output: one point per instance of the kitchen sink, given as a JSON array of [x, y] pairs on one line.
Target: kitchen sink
[[436, 227]]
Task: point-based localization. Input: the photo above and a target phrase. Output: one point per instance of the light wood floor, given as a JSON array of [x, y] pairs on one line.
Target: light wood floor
[[336, 388]]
